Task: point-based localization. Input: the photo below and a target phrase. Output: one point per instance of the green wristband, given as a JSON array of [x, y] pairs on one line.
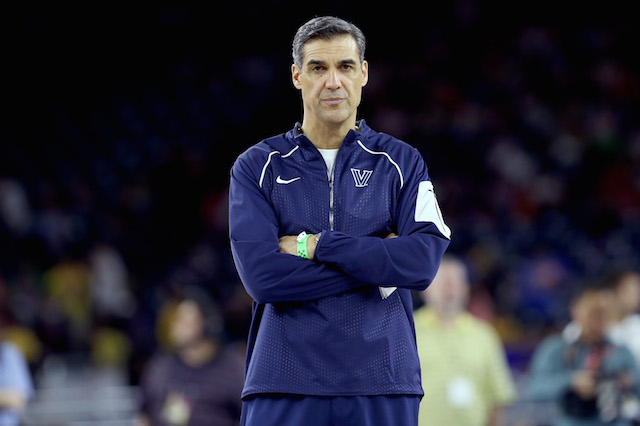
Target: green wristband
[[302, 244]]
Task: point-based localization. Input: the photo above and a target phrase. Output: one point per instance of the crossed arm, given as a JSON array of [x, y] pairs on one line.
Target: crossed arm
[[288, 244], [340, 262]]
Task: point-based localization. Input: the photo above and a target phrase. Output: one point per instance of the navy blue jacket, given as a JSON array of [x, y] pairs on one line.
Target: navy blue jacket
[[321, 326]]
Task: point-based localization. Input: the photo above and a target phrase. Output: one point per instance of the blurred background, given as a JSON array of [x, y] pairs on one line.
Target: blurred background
[[121, 125]]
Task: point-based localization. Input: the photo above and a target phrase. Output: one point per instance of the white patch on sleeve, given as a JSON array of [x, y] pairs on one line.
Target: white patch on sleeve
[[386, 291], [428, 210]]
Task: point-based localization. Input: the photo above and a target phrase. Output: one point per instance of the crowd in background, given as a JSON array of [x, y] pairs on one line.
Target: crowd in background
[[113, 197]]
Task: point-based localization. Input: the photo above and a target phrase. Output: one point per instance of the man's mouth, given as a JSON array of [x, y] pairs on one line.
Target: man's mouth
[[332, 101]]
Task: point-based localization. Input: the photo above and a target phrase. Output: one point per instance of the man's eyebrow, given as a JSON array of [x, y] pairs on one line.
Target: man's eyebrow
[[342, 62], [315, 62]]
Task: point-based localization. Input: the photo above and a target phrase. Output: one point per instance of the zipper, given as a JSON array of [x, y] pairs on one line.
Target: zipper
[[333, 168], [331, 177]]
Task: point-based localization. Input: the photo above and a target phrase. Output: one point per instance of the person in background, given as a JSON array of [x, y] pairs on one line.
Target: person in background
[[465, 375], [594, 381], [16, 387], [626, 330], [200, 382]]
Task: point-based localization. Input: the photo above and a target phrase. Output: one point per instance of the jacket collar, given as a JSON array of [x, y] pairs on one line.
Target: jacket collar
[[296, 135]]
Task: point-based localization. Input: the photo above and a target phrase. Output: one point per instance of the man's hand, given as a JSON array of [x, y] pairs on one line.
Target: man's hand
[[584, 384], [289, 245]]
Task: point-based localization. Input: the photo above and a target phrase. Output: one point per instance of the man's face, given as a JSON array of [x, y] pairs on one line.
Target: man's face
[[331, 80], [188, 325], [449, 291], [593, 312], [628, 293]]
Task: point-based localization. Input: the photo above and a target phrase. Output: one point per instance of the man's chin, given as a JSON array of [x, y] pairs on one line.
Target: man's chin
[[335, 118]]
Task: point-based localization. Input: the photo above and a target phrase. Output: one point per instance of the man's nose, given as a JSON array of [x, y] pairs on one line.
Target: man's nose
[[333, 81]]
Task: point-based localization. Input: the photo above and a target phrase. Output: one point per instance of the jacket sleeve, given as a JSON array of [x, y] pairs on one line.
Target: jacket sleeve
[[409, 261], [631, 367], [268, 275]]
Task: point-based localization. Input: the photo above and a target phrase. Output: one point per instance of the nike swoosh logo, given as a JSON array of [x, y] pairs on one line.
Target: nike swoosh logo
[[280, 180]]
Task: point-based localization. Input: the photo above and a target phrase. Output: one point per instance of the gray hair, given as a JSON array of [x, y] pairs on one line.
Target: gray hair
[[326, 28]]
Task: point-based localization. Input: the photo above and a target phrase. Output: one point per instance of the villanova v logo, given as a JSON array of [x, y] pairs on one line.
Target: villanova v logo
[[361, 177]]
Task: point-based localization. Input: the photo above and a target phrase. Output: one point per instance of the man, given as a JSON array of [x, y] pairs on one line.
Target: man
[[464, 371], [332, 339], [594, 381], [200, 382], [16, 387], [626, 330]]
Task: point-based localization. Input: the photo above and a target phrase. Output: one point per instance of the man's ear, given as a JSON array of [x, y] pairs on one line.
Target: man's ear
[[365, 73], [295, 76]]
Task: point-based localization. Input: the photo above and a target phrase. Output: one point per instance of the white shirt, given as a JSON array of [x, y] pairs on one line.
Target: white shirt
[[329, 156], [627, 333]]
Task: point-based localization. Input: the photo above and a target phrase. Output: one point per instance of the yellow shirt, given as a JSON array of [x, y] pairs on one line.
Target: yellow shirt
[[464, 370]]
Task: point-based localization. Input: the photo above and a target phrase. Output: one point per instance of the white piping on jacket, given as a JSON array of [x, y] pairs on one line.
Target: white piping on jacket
[[264, 169], [388, 158]]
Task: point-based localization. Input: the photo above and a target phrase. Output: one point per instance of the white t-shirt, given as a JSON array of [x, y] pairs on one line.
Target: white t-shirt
[[329, 156], [627, 333]]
